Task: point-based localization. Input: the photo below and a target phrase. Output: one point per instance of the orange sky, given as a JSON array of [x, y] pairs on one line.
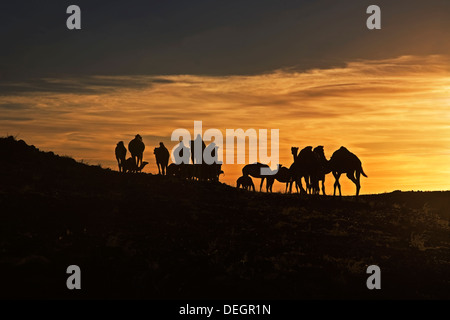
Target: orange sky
[[394, 114]]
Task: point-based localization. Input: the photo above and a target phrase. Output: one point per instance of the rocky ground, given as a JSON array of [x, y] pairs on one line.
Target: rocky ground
[[148, 236]]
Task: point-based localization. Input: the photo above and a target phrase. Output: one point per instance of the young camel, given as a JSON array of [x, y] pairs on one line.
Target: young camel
[[246, 183], [130, 166], [254, 170]]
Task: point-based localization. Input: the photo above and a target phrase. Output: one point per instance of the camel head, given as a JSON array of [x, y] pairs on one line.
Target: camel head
[[142, 166], [294, 150], [155, 151]]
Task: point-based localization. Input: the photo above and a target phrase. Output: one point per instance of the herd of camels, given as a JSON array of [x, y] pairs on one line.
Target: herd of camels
[[309, 164]]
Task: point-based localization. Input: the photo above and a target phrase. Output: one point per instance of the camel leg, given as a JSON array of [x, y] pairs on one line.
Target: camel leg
[[355, 181], [307, 185], [262, 181], [269, 184], [299, 183], [336, 183], [323, 187], [358, 185]]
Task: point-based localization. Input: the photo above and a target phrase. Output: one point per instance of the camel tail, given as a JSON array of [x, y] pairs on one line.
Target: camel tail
[[362, 172]]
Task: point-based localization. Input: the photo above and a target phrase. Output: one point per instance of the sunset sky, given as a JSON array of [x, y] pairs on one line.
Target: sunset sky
[[308, 68]]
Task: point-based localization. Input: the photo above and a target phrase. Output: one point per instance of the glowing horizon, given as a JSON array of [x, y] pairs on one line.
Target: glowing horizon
[[392, 113]]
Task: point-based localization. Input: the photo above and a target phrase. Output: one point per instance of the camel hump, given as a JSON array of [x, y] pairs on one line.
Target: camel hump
[[342, 152], [318, 149]]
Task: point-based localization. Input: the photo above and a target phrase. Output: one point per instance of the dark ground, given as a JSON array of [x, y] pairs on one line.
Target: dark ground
[[147, 236]]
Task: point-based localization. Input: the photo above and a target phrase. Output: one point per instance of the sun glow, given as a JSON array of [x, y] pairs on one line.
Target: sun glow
[[393, 114]]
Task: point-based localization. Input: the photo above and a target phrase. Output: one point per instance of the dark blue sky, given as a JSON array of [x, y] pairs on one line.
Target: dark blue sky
[[211, 37]]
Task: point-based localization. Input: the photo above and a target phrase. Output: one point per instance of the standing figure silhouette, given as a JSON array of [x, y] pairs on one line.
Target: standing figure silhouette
[[121, 155]]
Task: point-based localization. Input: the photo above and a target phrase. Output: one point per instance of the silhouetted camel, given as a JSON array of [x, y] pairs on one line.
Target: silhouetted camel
[[136, 148], [245, 182], [121, 155], [162, 158], [305, 166], [322, 170], [186, 171], [343, 161], [283, 175], [130, 166], [173, 170], [254, 170], [210, 172]]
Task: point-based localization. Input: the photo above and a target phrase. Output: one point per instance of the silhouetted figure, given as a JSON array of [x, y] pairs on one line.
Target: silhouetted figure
[[130, 166], [305, 166], [323, 169], [136, 148], [197, 157], [245, 182], [283, 175], [343, 161], [162, 158], [121, 155], [254, 170]]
